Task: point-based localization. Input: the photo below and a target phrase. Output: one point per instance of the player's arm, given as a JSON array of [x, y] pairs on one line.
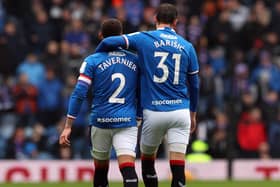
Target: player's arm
[[78, 95], [193, 81], [139, 109], [114, 42]]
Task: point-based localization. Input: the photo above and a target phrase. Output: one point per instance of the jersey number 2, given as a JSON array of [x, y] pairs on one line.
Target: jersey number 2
[[114, 98], [161, 65]]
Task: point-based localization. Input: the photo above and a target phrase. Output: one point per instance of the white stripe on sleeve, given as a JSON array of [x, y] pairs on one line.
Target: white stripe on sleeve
[[84, 79], [126, 41]]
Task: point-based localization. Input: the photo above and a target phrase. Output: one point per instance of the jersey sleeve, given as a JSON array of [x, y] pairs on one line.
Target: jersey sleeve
[[111, 43], [86, 72], [131, 40], [80, 91], [193, 67], [114, 42], [193, 79]]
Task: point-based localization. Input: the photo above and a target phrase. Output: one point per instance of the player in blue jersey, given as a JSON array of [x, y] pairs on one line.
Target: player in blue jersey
[[113, 76], [169, 91]]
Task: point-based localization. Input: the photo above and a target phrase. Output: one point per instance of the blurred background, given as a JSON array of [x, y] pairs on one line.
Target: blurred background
[[44, 42]]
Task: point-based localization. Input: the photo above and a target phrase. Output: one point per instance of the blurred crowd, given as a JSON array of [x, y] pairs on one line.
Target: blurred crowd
[[44, 42]]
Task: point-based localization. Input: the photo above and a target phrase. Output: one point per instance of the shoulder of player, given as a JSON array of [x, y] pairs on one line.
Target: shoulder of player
[[185, 42], [128, 53], [94, 57]]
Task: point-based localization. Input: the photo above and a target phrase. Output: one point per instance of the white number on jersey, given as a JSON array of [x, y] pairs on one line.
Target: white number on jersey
[[114, 98], [161, 65]]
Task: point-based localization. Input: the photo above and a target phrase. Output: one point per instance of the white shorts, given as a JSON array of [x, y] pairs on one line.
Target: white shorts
[[175, 124], [124, 141]]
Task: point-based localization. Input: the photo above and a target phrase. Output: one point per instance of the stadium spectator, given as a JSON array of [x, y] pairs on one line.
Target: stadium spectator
[[134, 12], [52, 58], [2, 16], [76, 37], [16, 145], [251, 133], [218, 138], [6, 102], [266, 75], [220, 31], [25, 96], [275, 17], [270, 106], [240, 82], [274, 136], [56, 18], [36, 143], [211, 90], [42, 31], [13, 42], [50, 103], [238, 13], [33, 69]]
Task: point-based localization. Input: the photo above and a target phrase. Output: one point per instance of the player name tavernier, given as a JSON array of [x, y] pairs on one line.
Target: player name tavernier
[[117, 60]]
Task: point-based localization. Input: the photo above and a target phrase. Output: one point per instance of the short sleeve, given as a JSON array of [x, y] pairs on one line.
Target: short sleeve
[[193, 67]]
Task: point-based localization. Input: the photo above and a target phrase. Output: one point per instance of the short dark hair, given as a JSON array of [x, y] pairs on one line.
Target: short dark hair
[[111, 27], [166, 13]]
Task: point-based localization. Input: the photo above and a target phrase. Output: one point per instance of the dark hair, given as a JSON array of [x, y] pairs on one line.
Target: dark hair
[[111, 27], [166, 13]]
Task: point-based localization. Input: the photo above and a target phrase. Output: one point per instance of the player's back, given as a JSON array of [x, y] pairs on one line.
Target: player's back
[[165, 62], [114, 82]]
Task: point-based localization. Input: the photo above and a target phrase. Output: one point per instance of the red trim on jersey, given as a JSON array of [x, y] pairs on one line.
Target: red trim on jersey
[[147, 157], [177, 162], [126, 164], [85, 76]]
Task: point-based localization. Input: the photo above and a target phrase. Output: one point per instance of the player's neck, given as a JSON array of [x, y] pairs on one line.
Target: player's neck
[[163, 25]]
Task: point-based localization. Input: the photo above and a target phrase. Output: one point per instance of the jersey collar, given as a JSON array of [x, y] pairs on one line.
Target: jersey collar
[[166, 28]]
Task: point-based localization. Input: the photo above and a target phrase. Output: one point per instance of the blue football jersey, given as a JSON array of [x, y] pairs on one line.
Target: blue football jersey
[[113, 77], [165, 59]]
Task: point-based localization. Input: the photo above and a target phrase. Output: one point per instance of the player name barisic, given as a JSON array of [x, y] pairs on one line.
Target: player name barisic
[[117, 60], [168, 43], [114, 120]]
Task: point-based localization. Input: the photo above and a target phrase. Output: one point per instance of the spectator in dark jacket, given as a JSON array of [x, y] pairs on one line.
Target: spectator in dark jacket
[[50, 102], [25, 96]]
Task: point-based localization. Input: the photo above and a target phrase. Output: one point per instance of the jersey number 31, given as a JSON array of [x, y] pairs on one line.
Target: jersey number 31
[[161, 65]]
